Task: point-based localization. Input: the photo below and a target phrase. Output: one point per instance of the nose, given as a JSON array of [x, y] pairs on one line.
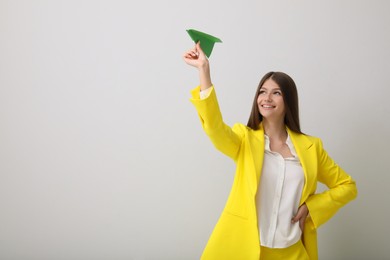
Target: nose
[[268, 98]]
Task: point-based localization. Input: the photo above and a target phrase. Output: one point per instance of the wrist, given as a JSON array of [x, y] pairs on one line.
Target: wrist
[[205, 67]]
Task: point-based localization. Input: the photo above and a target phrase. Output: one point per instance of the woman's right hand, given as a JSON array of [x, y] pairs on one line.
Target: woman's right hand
[[196, 57]]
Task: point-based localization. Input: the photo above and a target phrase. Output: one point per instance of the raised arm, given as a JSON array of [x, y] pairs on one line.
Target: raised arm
[[224, 138]]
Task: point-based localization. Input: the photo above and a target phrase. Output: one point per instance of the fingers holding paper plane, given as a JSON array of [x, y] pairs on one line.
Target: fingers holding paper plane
[[196, 57]]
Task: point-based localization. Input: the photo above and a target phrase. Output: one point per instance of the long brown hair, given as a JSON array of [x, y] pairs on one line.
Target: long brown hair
[[290, 97]]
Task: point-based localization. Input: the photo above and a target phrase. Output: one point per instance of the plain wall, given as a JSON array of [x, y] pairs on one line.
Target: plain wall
[[102, 155]]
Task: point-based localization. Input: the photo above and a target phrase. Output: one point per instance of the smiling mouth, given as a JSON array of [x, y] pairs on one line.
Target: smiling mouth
[[267, 106]]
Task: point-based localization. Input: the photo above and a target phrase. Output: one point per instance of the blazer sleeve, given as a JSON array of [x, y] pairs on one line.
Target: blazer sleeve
[[342, 189], [225, 139]]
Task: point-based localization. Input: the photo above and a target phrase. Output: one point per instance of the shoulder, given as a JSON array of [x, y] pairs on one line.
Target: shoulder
[[313, 139], [240, 129], [245, 131], [305, 140]]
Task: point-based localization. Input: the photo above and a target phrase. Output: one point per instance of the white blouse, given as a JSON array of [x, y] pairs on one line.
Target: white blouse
[[277, 200]]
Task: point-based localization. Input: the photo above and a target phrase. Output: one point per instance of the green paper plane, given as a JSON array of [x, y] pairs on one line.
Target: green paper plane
[[206, 41]]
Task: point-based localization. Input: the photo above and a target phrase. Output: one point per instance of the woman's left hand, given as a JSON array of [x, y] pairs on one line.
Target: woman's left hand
[[301, 216]]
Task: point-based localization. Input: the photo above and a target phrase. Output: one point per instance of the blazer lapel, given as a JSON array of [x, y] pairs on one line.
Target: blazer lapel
[[307, 156]]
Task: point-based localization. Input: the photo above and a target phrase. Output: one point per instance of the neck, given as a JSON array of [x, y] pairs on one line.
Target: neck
[[275, 129]]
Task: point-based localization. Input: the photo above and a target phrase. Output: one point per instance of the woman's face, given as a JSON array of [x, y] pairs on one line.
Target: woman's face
[[270, 100]]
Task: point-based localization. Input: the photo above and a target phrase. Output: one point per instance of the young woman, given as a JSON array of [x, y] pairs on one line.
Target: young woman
[[272, 211]]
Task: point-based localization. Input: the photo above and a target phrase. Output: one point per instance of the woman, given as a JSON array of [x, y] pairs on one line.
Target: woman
[[272, 211]]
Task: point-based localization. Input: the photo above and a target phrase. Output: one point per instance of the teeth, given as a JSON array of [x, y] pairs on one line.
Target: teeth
[[265, 106]]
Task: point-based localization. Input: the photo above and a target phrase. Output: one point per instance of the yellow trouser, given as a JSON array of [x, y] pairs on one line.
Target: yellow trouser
[[294, 252]]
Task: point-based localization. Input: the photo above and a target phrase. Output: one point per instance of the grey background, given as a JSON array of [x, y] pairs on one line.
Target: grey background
[[102, 155]]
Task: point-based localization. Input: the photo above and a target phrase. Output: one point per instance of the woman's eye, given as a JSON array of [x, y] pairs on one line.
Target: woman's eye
[[261, 92], [278, 93]]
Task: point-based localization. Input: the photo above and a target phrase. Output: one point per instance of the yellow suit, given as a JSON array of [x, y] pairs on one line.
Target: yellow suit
[[236, 234]]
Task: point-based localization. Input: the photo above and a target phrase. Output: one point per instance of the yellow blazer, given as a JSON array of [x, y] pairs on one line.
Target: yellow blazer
[[236, 234]]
